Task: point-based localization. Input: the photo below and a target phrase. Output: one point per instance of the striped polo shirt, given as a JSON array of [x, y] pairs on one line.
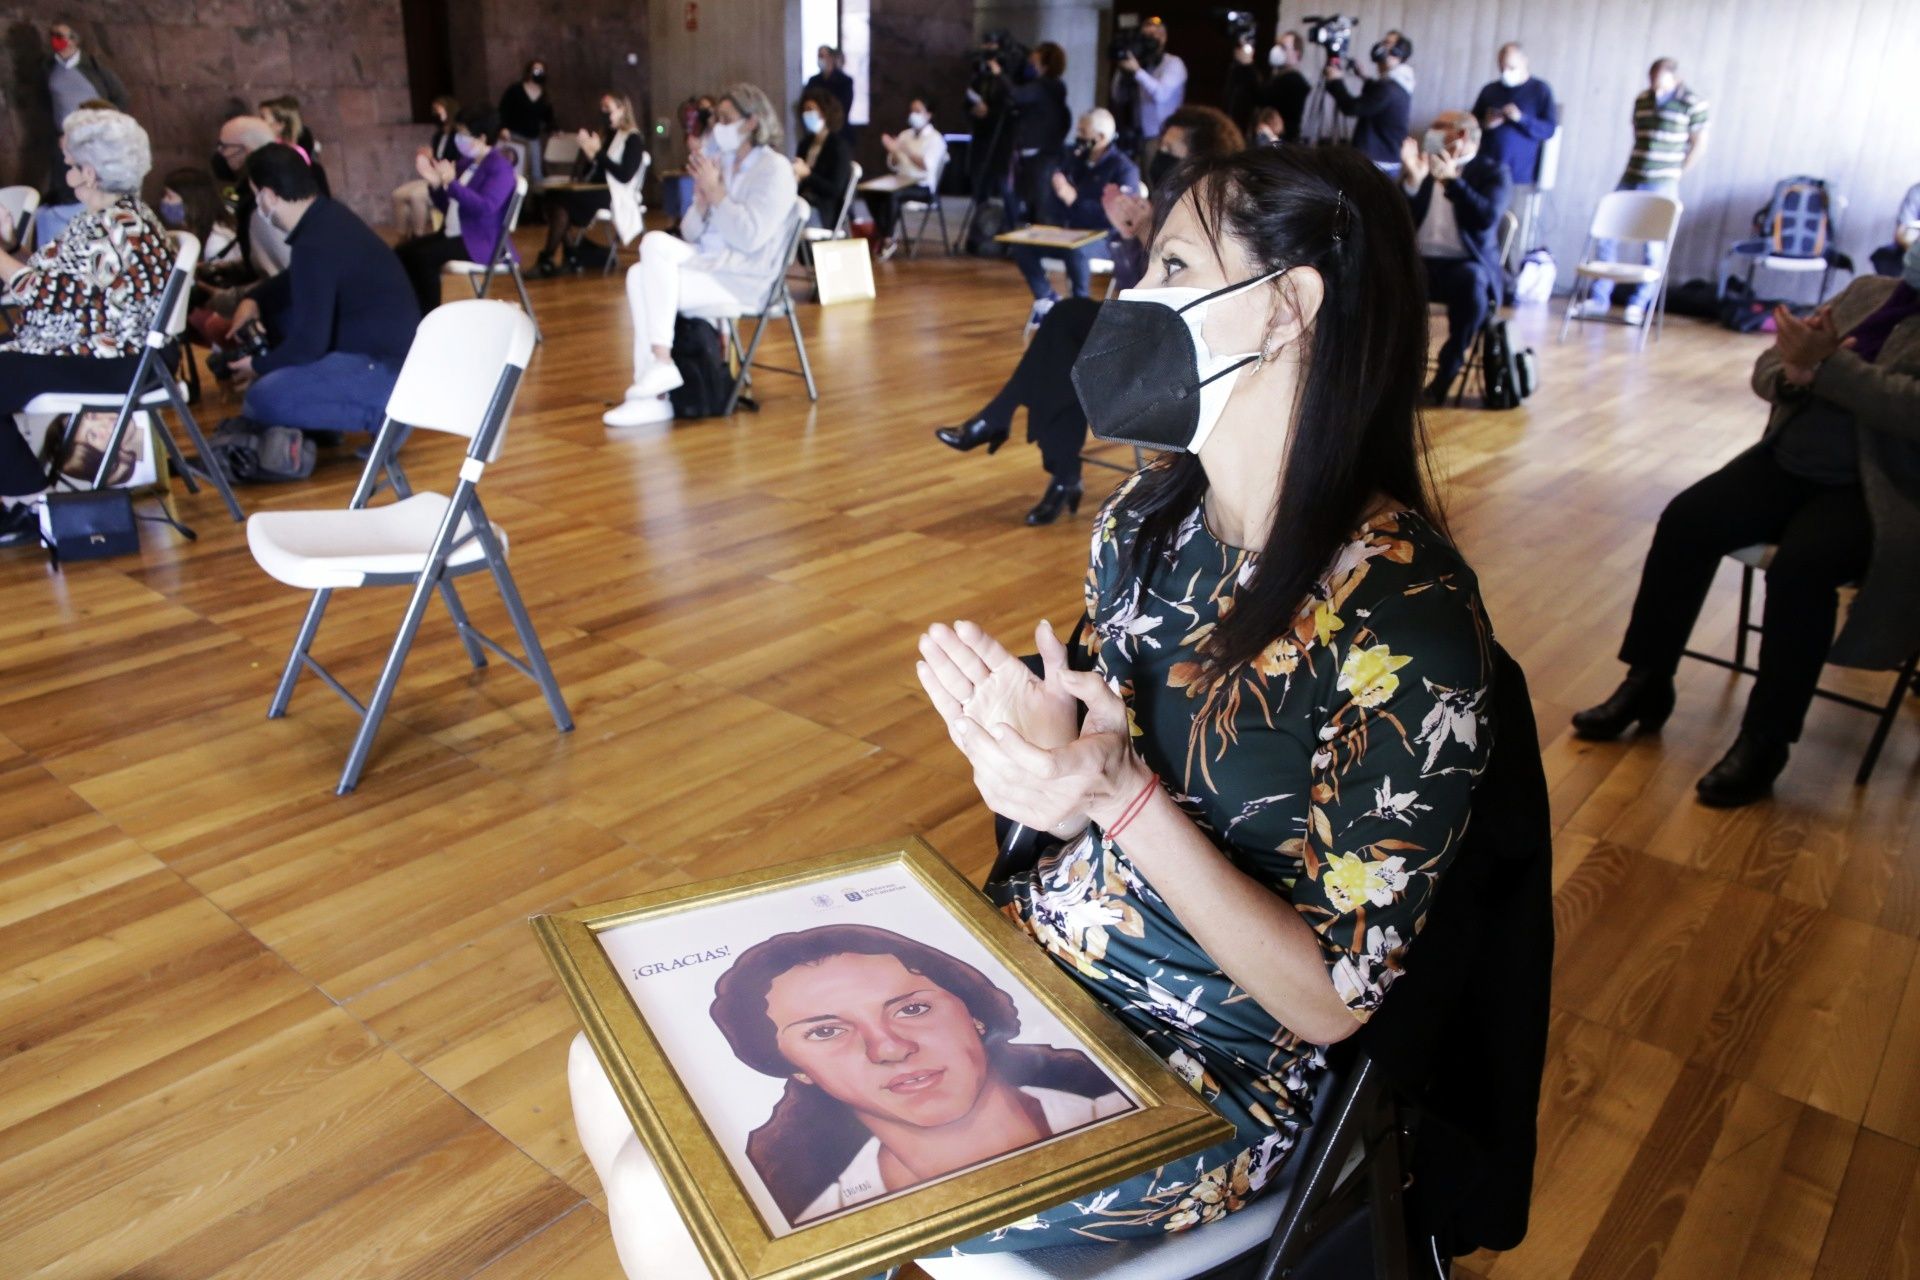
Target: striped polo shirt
[[1660, 133]]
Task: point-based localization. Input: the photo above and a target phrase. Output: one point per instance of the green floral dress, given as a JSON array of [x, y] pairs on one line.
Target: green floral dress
[[1337, 770]]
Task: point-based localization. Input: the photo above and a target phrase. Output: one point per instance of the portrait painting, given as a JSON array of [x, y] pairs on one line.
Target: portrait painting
[[849, 1035]]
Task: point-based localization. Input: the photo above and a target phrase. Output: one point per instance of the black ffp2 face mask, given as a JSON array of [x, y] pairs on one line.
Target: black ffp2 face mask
[[1146, 374]]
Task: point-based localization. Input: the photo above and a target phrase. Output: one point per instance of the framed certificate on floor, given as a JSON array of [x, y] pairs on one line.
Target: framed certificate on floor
[[842, 1064]]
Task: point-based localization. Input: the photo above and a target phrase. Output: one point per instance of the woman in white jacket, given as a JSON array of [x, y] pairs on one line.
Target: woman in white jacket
[[732, 245]]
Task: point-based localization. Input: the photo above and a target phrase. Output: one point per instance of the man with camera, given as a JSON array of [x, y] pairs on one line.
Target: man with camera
[[1149, 84], [990, 104], [1381, 109], [1458, 196], [341, 316]]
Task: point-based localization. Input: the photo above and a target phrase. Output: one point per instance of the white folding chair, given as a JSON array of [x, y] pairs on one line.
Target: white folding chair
[[152, 388], [460, 376], [927, 208], [778, 306], [838, 231], [22, 203], [559, 153], [1645, 216], [480, 275], [604, 217]]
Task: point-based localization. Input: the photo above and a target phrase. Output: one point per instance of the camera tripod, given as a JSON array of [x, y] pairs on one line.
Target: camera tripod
[[977, 176]]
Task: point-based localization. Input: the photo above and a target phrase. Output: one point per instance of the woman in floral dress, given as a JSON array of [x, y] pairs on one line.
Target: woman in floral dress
[[1259, 786]]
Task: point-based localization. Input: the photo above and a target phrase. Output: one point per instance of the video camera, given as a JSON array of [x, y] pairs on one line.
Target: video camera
[[249, 340], [1333, 33], [1136, 44], [1240, 26], [999, 47]]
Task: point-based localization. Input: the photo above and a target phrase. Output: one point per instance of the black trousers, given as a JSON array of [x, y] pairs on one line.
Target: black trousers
[[1824, 536], [1041, 382], [1462, 286], [423, 258], [22, 377]]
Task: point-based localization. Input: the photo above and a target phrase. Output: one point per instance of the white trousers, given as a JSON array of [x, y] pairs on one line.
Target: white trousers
[[659, 285]]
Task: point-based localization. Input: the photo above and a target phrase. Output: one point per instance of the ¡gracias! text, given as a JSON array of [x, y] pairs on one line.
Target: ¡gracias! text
[[682, 962]]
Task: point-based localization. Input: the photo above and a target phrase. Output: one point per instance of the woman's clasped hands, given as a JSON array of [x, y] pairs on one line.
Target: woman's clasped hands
[[1035, 760]]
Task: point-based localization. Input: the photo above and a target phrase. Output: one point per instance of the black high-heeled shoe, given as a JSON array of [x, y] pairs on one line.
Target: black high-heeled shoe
[[1058, 495], [972, 435], [1642, 697], [547, 269]]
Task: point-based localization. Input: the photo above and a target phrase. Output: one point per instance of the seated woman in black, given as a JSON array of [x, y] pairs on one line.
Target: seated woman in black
[[823, 164], [1289, 703], [612, 155]]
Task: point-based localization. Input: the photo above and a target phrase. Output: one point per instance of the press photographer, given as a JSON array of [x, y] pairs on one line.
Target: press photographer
[[990, 106], [1149, 84], [1273, 81], [1381, 109], [342, 312]]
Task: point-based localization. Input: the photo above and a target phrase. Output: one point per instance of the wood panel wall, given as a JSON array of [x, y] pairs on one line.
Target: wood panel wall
[[1826, 88]]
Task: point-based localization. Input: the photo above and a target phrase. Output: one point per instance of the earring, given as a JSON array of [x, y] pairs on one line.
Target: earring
[[803, 1077], [979, 1027]]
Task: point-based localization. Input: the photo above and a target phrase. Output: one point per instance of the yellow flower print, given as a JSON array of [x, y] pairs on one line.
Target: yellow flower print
[[1326, 622], [1351, 880], [1368, 674]]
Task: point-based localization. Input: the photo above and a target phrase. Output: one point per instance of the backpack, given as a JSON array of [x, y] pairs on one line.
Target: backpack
[[1508, 377], [249, 452], [699, 353], [1797, 221], [1743, 312]]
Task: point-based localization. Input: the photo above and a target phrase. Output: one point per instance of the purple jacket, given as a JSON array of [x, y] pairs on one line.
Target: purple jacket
[[483, 198]]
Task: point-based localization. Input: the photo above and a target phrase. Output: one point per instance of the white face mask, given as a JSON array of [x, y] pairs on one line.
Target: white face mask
[[1512, 77], [1218, 371], [813, 121], [917, 119], [726, 135], [1276, 57]]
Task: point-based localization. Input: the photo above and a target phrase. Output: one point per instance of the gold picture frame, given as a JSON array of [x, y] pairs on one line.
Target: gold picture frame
[[727, 1207]]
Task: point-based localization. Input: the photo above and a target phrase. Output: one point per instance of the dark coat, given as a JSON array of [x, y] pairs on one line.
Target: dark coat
[[1883, 623], [98, 74], [1380, 112], [1480, 196], [1462, 1035], [825, 186]]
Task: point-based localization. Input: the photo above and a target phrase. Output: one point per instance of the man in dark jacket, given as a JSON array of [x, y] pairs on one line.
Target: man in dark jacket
[[1381, 109], [342, 314], [832, 78], [1457, 197], [1094, 164], [73, 76]]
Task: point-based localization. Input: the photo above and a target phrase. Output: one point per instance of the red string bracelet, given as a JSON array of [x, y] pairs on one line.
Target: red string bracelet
[[1133, 808]]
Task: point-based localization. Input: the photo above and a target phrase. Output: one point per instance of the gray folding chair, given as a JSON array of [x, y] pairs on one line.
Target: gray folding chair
[[460, 377], [152, 389], [777, 306], [480, 274]]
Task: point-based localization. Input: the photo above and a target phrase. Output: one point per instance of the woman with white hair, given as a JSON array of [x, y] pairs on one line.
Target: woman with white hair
[[87, 299], [732, 245], [1074, 200]]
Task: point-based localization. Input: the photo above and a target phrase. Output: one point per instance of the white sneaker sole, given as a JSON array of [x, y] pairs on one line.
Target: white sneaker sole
[[638, 413]]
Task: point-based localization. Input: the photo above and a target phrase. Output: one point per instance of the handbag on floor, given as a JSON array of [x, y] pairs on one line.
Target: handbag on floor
[[1509, 376], [89, 524], [699, 352]]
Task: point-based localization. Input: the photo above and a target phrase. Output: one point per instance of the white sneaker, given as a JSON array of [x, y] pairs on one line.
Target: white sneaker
[[1636, 316], [656, 379], [1581, 308], [1040, 308], [638, 413]]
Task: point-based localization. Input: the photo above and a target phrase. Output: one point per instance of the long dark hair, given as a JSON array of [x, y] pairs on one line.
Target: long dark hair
[[810, 1136], [1357, 432]]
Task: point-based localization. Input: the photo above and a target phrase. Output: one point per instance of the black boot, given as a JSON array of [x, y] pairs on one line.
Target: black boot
[[972, 435], [1642, 696], [1745, 773], [1058, 495]]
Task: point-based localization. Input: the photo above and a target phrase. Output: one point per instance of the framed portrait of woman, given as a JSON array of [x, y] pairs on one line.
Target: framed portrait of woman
[[841, 1064]]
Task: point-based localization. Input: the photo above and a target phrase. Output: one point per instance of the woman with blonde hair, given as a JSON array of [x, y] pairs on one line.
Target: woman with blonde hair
[[611, 155]]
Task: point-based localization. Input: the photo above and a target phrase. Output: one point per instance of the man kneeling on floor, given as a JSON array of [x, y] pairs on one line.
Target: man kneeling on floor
[[340, 317]]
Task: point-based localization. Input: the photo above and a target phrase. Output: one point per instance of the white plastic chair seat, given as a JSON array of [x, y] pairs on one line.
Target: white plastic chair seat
[[1773, 262], [342, 548], [462, 267], [1759, 555], [1625, 272], [64, 402], [817, 234]]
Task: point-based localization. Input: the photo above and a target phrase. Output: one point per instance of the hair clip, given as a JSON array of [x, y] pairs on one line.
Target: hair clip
[[1339, 215]]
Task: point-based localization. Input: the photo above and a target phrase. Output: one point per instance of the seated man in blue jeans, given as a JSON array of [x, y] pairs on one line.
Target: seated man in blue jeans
[[1074, 202], [341, 316]]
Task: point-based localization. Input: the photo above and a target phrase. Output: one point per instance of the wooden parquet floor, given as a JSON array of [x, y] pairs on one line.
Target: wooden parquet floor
[[251, 1029]]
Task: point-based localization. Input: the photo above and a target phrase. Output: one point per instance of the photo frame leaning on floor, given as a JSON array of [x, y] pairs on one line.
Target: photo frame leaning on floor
[[765, 1031]]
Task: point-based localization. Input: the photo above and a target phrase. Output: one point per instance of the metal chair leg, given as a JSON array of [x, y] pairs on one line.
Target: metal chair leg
[[390, 674], [1746, 612], [1901, 683], [526, 303], [941, 209], [522, 624], [800, 345], [208, 465], [475, 654], [304, 641], [746, 363]]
